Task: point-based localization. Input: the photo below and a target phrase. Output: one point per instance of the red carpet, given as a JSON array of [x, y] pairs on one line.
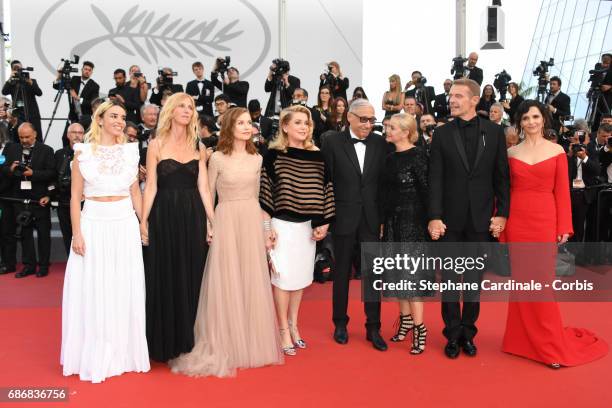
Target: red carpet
[[324, 375]]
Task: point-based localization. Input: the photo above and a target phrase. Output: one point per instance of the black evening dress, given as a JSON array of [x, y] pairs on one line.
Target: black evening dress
[[404, 197], [175, 259]]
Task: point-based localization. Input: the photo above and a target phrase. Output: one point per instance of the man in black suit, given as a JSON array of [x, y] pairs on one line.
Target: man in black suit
[[23, 91], [558, 103], [32, 183], [426, 95], [265, 124], [127, 95], [441, 108], [8, 244], [355, 158], [472, 71], [287, 83], [165, 84], [202, 90], [468, 179], [231, 86], [83, 90]]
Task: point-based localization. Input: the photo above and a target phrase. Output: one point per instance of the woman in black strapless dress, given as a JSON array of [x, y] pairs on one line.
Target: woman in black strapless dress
[[175, 197]]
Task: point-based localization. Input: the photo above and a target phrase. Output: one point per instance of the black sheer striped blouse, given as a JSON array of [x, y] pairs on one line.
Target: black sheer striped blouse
[[296, 186]]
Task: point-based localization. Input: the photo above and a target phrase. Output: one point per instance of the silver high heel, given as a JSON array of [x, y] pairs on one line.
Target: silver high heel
[[299, 343], [288, 350]]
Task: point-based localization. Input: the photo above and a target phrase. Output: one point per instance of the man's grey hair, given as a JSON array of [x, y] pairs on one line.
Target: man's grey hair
[[359, 103], [582, 124], [498, 105], [146, 106], [76, 124]]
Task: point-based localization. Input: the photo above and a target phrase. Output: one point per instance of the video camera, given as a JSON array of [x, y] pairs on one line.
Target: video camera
[[21, 75], [420, 83], [501, 84], [165, 79], [223, 64], [542, 69], [67, 69], [597, 75], [581, 139], [430, 128], [458, 68], [279, 67]]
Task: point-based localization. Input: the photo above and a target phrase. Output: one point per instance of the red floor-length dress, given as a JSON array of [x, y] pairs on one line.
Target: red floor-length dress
[[540, 209]]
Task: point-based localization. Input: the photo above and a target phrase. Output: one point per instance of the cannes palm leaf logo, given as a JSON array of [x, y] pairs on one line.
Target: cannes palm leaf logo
[[148, 36]]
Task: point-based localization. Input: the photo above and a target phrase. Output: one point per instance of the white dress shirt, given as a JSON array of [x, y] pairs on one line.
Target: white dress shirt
[[360, 149]]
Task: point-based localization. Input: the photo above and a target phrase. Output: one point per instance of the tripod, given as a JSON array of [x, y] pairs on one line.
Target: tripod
[[58, 97], [594, 109]]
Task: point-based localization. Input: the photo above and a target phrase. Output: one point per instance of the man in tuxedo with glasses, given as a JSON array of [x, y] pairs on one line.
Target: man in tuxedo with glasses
[[356, 158]]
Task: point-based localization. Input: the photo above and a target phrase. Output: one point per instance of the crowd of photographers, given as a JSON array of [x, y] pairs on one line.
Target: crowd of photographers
[[34, 178]]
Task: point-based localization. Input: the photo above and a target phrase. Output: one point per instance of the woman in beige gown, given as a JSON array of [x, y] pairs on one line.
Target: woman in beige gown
[[235, 325]]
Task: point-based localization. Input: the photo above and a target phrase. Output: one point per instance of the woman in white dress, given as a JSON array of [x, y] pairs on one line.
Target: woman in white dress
[[103, 308]]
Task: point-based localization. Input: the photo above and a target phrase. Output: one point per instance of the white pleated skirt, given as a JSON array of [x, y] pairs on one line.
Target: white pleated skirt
[[294, 254], [103, 307]]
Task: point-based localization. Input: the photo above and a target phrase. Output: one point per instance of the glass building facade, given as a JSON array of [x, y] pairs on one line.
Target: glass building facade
[[575, 33]]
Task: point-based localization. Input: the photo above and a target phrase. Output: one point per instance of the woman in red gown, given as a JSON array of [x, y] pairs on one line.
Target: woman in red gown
[[540, 212]]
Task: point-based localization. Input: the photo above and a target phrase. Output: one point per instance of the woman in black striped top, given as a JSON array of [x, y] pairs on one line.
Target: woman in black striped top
[[297, 197]]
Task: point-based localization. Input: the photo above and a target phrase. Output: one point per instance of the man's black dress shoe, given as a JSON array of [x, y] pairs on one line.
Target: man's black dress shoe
[[452, 349], [42, 272], [469, 348], [4, 269], [25, 272], [377, 341], [341, 335]]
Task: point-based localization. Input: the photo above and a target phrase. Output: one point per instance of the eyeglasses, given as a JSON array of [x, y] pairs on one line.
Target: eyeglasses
[[365, 119]]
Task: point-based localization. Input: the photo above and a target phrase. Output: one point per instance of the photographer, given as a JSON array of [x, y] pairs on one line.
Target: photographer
[[208, 134], [441, 107], [335, 79], [583, 167], [61, 192], [604, 102], [131, 132], [231, 86], [557, 102], [426, 95], [165, 82], [150, 115], [604, 150], [279, 80], [8, 244], [471, 70], [23, 91], [128, 96], [264, 123], [30, 168], [201, 89], [427, 124], [222, 105], [83, 90]]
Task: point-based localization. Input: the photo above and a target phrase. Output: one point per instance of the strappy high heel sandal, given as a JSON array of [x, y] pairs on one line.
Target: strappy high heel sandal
[[298, 342], [287, 350], [419, 337], [404, 324]]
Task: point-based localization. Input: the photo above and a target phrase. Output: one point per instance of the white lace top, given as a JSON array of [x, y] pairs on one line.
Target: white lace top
[[110, 171]]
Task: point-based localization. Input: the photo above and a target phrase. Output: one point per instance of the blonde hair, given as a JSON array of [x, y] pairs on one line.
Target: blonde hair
[[281, 141], [407, 123], [95, 130], [164, 124]]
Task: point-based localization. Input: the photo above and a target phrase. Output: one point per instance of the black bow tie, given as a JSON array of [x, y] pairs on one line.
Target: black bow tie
[[466, 123], [355, 140]]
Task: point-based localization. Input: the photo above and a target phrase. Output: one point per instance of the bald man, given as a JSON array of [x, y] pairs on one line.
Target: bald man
[[61, 193], [475, 73], [30, 167]]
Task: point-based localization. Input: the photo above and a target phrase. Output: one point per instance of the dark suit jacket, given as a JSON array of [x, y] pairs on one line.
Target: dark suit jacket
[[265, 127], [590, 171], [237, 91], [454, 189], [562, 104], [514, 104], [286, 94], [355, 193], [90, 92], [43, 170], [339, 86], [427, 98], [157, 97], [441, 108], [476, 75], [205, 98]]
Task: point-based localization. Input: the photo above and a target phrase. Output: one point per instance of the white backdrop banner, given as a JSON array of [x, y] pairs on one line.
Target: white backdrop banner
[[116, 34]]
